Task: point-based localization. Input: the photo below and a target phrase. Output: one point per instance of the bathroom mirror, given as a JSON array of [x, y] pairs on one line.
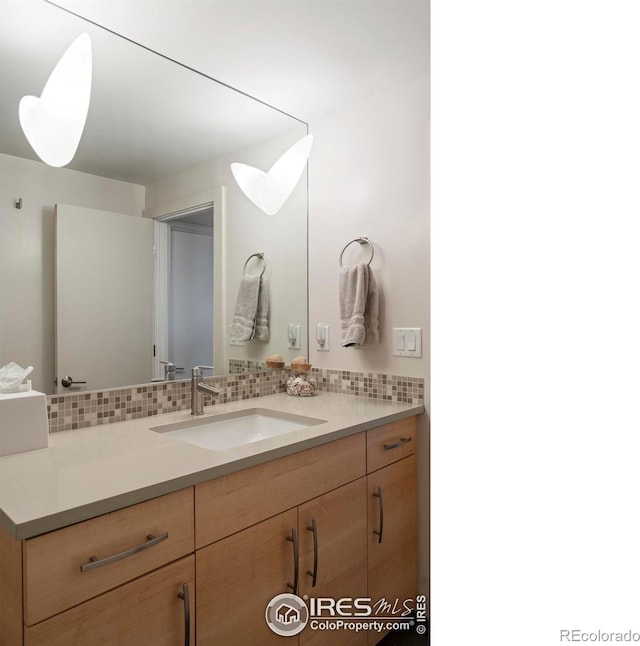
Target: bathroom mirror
[[155, 152]]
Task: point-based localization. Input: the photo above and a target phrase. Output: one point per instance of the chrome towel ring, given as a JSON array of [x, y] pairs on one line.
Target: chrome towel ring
[[359, 241], [259, 255]]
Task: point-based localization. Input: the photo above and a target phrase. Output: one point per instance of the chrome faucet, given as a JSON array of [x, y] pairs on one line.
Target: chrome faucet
[[170, 370], [198, 388]]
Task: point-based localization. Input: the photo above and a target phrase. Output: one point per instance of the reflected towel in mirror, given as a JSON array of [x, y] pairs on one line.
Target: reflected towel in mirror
[[250, 319], [244, 318], [261, 329]]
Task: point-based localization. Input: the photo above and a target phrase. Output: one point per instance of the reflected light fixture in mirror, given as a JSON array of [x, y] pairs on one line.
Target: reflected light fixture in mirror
[[53, 122], [270, 190]]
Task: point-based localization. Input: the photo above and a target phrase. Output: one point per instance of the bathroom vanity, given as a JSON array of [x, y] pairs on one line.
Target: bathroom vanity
[[171, 543]]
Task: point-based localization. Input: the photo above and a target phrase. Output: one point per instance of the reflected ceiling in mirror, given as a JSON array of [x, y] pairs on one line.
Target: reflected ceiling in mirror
[[149, 117], [165, 136]]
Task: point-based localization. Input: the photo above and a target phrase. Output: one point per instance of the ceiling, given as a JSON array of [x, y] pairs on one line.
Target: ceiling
[[306, 57]]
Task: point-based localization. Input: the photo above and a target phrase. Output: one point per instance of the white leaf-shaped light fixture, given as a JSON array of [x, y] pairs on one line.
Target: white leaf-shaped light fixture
[[53, 122], [270, 190]]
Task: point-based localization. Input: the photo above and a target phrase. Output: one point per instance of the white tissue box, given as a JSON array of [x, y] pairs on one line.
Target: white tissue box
[[23, 422]]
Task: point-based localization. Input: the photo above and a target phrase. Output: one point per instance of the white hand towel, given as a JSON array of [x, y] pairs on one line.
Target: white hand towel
[[244, 318], [261, 330], [353, 289]]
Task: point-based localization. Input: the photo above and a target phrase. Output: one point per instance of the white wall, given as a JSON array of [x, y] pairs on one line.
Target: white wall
[[27, 253], [369, 176]]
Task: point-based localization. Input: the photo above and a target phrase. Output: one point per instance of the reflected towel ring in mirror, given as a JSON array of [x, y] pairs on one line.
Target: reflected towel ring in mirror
[[258, 255], [270, 190], [360, 241]]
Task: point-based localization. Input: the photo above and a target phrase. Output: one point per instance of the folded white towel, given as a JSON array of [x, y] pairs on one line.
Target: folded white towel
[[244, 318], [261, 330]]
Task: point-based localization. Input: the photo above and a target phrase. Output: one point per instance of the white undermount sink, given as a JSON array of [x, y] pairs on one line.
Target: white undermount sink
[[236, 429]]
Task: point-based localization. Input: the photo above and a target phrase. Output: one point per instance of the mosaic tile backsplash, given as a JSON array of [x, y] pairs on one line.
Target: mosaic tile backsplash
[[72, 411], [375, 385], [245, 365]]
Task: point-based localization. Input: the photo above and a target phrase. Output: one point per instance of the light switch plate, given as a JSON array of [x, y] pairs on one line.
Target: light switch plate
[[405, 338]]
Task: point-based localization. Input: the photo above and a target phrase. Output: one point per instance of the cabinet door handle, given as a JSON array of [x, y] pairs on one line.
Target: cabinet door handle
[[294, 539], [378, 495], [95, 562], [184, 595], [314, 574], [395, 445]]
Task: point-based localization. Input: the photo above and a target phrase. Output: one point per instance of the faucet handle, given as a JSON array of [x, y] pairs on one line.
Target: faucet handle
[[196, 370]]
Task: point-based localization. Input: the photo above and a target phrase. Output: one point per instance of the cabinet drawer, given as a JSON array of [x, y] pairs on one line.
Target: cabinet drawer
[[145, 611], [53, 577], [236, 501], [390, 442]]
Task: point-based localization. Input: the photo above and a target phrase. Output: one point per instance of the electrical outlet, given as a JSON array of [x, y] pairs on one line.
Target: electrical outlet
[[294, 336], [322, 337]]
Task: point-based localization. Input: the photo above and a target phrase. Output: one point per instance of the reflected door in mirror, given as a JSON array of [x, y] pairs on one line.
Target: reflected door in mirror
[[104, 294]]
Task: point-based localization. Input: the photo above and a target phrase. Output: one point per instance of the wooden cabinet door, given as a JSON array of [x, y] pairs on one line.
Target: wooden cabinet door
[[340, 554], [145, 611], [53, 577], [393, 557], [237, 577]]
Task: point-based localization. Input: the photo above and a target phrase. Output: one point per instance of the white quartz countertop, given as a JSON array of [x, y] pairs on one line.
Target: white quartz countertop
[[88, 472]]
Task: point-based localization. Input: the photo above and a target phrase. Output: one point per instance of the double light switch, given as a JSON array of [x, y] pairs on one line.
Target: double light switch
[[407, 341]]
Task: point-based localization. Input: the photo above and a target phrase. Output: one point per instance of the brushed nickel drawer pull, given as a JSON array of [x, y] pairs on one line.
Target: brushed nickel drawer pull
[[400, 442], [314, 574], [95, 562], [294, 539], [184, 595], [378, 495]]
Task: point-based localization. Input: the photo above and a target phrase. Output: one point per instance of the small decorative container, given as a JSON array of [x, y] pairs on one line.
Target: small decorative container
[[275, 361], [300, 384]]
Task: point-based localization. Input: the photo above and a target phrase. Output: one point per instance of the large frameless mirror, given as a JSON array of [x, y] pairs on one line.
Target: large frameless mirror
[[124, 266]]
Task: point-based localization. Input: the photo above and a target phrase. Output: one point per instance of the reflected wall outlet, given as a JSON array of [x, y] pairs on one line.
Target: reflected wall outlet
[[407, 341], [294, 336], [322, 337]]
